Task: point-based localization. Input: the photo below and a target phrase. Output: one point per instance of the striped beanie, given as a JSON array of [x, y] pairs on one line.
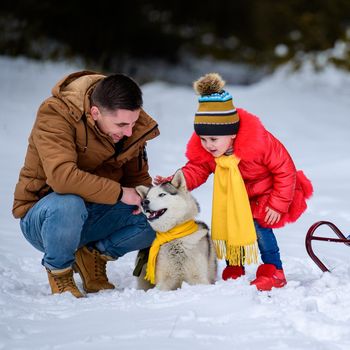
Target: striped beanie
[[216, 114]]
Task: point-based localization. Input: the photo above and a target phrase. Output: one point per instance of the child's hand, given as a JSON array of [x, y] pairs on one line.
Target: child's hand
[[272, 216], [158, 180]]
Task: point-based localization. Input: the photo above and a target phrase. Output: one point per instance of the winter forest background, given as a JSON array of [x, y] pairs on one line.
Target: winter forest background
[[285, 61], [165, 39]]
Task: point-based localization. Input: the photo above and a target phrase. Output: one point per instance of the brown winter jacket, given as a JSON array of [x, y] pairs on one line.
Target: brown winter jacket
[[67, 153]]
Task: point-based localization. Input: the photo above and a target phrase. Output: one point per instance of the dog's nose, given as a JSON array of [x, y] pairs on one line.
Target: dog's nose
[[145, 202]]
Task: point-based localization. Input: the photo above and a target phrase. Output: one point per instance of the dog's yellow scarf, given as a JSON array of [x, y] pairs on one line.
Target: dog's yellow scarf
[[233, 229], [179, 231]]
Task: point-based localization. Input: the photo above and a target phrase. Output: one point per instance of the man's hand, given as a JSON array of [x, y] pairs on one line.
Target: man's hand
[[272, 216], [131, 197]]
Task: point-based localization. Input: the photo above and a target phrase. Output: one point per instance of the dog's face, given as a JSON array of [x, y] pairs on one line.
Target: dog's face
[[168, 204]]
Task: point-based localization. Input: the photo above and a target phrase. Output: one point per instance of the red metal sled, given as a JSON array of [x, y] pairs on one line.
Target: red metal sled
[[309, 237]]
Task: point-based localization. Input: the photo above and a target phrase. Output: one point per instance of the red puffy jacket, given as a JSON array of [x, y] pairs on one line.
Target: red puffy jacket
[[267, 169]]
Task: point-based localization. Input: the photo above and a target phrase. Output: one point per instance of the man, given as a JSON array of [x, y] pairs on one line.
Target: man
[[75, 195]]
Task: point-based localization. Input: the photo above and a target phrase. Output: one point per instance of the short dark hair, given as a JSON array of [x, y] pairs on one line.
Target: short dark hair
[[117, 91]]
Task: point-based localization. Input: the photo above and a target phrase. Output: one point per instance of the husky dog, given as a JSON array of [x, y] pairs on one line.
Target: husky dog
[[189, 259]]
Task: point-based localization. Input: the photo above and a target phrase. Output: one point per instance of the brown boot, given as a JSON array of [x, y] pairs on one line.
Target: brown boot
[[62, 281], [91, 266]]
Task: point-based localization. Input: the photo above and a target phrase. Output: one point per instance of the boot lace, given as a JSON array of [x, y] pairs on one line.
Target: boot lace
[[100, 267], [64, 282]]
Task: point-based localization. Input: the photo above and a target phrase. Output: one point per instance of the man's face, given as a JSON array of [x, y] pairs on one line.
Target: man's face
[[116, 124]]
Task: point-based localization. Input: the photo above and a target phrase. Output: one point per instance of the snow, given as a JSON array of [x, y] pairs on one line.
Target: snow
[[309, 113]]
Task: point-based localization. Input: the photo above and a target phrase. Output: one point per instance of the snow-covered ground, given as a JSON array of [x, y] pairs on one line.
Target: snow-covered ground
[[309, 113]]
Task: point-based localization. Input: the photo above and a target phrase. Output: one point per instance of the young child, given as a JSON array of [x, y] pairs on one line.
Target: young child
[[256, 185]]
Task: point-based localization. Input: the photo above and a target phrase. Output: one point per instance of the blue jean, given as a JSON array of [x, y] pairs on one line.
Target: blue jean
[[269, 251], [58, 225]]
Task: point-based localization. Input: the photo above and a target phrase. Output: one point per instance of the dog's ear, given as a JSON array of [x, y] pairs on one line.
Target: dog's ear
[[179, 180], [142, 190]]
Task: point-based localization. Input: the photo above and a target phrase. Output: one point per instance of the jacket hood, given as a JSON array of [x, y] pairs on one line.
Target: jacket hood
[[251, 135], [74, 91]]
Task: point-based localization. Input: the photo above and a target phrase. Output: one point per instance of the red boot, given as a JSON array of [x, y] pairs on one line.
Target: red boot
[[232, 272], [267, 277]]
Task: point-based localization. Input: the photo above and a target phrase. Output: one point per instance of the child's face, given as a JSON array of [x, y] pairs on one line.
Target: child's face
[[217, 145]]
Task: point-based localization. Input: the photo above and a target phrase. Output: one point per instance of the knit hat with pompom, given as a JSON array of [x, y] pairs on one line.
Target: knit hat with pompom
[[216, 114]]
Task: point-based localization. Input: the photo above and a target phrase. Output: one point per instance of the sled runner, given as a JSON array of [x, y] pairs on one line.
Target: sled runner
[[310, 237]]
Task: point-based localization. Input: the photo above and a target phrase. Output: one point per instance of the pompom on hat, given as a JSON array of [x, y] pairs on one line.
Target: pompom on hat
[[216, 114]]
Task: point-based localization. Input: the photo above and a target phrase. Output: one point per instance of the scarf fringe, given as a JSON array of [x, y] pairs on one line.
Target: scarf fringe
[[150, 275], [237, 255]]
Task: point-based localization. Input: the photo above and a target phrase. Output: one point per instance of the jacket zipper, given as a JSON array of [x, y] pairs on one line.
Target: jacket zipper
[[144, 135]]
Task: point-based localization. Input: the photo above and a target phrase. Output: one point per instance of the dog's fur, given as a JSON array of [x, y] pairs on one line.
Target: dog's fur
[[189, 259]]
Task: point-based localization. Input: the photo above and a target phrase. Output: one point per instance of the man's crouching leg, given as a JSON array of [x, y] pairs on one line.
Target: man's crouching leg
[[53, 226], [110, 232], [136, 234]]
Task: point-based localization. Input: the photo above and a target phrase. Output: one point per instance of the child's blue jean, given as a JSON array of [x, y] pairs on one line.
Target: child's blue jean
[[58, 225], [269, 251]]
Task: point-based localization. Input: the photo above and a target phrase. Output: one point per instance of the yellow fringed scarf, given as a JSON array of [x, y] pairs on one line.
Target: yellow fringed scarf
[[233, 230], [179, 231]]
